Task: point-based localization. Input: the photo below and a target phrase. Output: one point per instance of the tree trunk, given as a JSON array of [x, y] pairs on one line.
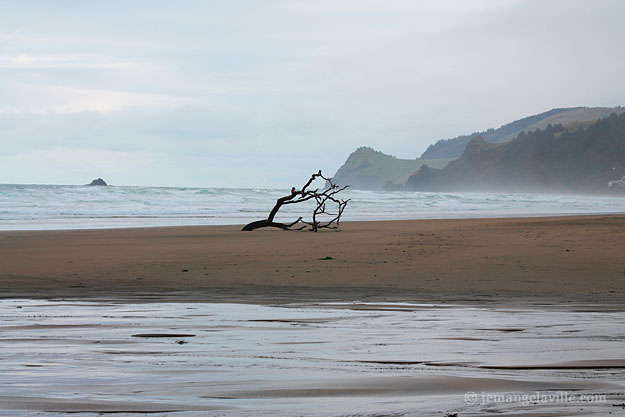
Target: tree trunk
[[268, 222]]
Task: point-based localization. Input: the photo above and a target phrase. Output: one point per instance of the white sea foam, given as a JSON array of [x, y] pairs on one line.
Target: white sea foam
[[24, 207]]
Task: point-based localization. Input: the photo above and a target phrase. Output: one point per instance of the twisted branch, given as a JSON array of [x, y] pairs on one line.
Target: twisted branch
[[320, 213]]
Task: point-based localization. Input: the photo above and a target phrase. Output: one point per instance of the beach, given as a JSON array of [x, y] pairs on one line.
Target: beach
[[578, 257], [77, 357], [518, 316]]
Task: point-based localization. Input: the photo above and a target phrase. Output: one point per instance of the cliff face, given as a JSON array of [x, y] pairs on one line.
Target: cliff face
[[576, 159], [368, 169], [453, 148]]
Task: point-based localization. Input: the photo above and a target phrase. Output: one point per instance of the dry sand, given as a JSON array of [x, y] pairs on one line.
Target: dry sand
[[559, 257]]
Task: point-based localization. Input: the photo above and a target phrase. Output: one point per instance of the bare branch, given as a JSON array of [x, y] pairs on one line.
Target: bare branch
[[322, 200]]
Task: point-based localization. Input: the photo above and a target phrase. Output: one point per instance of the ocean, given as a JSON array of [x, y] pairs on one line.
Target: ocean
[[43, 207]]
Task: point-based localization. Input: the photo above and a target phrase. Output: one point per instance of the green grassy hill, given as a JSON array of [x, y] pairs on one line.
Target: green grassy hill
[[368, 169]]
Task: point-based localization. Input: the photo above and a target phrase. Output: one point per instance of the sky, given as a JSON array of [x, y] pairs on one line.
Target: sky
[[251, 93]]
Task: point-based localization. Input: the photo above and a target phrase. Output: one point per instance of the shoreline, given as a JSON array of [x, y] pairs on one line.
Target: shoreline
[[567, 258], [562, 216], [240, 225]]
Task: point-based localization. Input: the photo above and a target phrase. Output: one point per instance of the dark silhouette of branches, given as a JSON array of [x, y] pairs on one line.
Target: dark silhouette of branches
[[326, 215]]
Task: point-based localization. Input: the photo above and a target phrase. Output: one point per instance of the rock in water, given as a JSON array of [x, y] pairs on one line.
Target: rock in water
[[98, 181]]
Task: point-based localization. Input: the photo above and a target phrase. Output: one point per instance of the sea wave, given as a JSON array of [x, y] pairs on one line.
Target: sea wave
[[76, 207]]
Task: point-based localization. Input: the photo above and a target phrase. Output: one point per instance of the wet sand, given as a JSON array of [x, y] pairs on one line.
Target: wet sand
[[565, 258], [322, 359]]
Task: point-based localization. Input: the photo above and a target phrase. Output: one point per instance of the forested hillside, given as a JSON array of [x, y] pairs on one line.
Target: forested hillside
[[577, 159]]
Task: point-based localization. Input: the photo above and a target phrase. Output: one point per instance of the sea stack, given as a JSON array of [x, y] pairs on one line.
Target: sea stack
[[98, 182]]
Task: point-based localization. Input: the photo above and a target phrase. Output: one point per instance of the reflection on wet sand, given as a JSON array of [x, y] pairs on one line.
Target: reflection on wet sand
[[305, 359]]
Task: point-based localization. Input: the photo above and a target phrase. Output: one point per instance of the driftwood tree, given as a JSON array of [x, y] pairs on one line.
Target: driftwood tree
[[326, 215]]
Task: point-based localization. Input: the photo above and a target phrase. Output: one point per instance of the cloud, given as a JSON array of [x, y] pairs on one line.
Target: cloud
[[264, 91], [64, 99], [90, 61]]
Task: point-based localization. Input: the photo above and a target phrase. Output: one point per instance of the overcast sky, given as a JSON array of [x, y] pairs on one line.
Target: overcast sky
[[261, 93]]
